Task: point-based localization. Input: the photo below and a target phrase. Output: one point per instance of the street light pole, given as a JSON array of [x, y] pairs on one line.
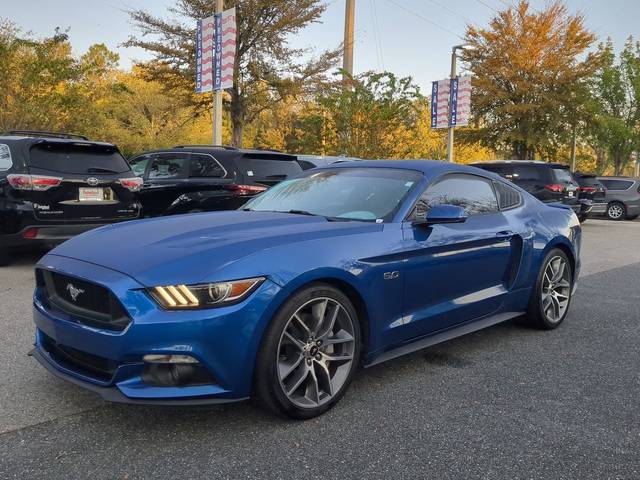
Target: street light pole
[[454, 74]]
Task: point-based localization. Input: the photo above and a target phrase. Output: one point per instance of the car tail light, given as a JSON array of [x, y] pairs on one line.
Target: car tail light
[[555, 188], [33, 182], [588, 189], [133, 184], [30, 233], [245, 190]]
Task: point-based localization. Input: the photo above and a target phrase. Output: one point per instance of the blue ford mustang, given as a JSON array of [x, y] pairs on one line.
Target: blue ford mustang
[[347, 265]]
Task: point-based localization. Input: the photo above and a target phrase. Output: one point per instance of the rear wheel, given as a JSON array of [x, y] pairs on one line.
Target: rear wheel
[[309, 353], [616, 211], [551, 297]]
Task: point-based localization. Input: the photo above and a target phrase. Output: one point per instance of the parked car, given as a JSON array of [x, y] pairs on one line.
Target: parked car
[[54, 186], [355, 263], [623, 197], [312, 161], [590, 188], [548, 182], [198, 178]]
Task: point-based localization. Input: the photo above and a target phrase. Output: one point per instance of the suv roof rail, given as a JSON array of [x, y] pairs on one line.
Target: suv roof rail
[[38, 133], [226, 147]]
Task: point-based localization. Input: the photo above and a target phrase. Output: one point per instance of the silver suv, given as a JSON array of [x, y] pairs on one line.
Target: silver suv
[[623, 197]]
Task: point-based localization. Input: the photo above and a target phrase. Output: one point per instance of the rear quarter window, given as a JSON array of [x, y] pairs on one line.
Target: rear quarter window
[[267, 169], [5, 158], [616, 184]]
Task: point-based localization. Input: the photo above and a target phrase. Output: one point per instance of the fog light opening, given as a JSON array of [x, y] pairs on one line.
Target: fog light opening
[[174, 371]]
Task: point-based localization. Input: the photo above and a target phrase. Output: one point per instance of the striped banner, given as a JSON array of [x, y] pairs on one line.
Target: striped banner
[[215, 51], [463, 103], [204, 54], [440, 104]]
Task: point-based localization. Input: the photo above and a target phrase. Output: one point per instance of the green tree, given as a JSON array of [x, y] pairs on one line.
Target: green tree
[[267, 70], [530, 77], [615, 104]]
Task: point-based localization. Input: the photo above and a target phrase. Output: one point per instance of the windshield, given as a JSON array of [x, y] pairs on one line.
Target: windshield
[[77, 158], [365, 194]]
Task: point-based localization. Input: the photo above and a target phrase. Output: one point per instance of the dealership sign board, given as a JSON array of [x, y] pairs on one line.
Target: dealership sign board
[[215, 51]]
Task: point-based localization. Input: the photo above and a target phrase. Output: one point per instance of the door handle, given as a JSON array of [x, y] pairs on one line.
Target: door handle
[[504, 235]]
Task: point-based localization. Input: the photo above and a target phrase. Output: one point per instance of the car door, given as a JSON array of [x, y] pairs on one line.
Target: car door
[[165, 179], [455, 272]]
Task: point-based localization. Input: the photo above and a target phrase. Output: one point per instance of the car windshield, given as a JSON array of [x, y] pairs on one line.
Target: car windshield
[[364, 194]]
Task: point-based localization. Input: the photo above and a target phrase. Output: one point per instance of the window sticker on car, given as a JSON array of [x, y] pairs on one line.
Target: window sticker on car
[[5, 157], [250, 173], [408, 184]]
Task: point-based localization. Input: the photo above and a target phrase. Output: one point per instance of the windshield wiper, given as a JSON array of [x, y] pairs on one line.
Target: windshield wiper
[[100, 170]]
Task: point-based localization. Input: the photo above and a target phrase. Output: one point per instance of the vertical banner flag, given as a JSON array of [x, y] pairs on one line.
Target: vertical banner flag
[[453, 102], [463, 110], [215, 51], [440, 104], [227, 50], [204, 54]]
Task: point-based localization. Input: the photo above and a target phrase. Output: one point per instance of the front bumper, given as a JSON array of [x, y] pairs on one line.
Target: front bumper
[[224, 340]]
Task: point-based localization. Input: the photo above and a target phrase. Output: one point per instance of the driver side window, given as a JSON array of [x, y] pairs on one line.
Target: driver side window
[[474, 194]]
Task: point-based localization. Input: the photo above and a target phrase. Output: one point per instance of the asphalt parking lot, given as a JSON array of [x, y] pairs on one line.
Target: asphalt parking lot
[[507, 402]]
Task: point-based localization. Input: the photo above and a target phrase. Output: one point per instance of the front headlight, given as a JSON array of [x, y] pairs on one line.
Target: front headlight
[[208, 295]]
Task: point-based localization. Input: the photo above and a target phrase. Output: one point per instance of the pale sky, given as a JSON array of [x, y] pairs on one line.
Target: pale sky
[[407, 37]]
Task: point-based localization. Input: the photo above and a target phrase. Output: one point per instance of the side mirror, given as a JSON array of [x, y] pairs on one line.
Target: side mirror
[[444, 213]]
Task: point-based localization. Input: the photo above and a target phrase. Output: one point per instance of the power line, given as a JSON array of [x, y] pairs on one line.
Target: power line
[[450, 10], [425, 19], [377, 35], [482, 2]]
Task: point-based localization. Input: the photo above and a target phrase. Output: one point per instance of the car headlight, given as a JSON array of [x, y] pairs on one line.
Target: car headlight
[[207, 295]]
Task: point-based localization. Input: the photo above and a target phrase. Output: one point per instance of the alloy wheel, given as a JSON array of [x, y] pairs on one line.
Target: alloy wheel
[[615, 211], [556, 289], [316, 352]]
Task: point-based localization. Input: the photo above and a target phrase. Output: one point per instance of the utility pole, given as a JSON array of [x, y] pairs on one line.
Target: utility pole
[[217, 98], [349, 25], [573, 147]]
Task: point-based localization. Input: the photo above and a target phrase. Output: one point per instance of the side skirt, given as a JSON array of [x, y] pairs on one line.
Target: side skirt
[[444, 336]]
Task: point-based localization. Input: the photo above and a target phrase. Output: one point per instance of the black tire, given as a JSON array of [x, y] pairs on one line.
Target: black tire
[[616, 211], [536, 315], [583, 218], [4, 257], [268, 390]]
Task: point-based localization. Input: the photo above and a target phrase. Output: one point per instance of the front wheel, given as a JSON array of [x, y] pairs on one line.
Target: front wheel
[[616, 211], [309, 353], [551, 297]]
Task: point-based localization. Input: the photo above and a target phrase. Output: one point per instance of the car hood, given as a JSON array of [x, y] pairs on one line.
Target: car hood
[[198, 247]]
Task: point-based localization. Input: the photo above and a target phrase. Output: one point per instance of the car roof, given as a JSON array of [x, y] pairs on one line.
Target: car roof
[[429, 168], [521, 162], [221, 151], [32, 140]]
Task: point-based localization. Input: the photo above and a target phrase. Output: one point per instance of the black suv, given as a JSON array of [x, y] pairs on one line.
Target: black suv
[[548, 182], [54, 186], [198, 178], [590, 188]]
